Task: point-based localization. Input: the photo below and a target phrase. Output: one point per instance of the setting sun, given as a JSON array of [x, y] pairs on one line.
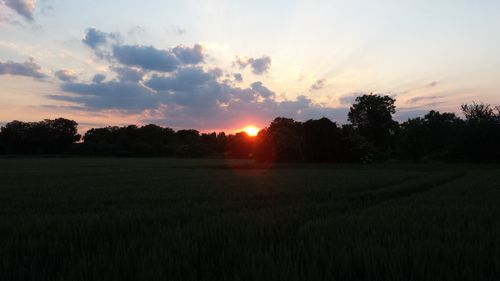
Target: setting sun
[[251, 130]]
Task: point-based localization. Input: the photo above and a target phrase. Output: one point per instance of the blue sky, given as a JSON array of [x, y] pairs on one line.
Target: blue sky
[[221, 65]]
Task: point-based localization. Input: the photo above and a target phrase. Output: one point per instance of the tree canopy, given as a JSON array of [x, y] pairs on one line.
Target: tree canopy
[[371, 115], [371, 135]]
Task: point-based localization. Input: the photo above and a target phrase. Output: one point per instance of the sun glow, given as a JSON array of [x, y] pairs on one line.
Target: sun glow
[[251, 130]]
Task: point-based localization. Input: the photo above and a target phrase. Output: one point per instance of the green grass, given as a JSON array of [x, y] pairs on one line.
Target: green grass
[[158, 219]]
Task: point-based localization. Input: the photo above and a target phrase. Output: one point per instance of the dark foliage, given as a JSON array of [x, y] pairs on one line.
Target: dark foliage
[[318, 141], [239, 146], [435, 136], [372, 136], [44, 137], [281, 142], [444, 136], [371, 115], [322, 141], [152, 140]]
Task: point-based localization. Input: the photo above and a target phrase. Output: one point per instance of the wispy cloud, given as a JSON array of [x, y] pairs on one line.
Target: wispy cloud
[[433, 84], [418, 99]]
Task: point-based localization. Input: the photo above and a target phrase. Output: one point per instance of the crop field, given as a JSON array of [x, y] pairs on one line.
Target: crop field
[[166, 219]]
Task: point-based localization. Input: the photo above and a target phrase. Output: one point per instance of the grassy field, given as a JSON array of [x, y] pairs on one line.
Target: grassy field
[[158, 219]]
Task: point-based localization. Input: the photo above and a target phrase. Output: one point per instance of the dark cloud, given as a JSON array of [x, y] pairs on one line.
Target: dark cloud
[[101, 42], [262, 90], [188, 55], [24, 8], [317, 85], [65, 75], [95, 38], [129, 74], [238, 77], [150, 58], [29, 69], [193, 97], [185, 79], [99, 78], [140, 58], [146, 57], [109, 95], [258, 65]]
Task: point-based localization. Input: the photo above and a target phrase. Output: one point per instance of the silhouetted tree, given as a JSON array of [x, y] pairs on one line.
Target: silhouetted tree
[[370, 137], [482, 135], [371, 115], [221, 143], [321, 141], [240, 146], [480, 113], [44, 137], [189, 144], [355, 147], [130, 140], [265, 147], [435, 136], [283, 139]]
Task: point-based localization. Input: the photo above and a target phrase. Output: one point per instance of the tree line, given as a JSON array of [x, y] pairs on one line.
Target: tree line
[[371, 135]]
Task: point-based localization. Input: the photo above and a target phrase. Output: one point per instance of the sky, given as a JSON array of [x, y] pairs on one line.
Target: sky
[[217, 65]]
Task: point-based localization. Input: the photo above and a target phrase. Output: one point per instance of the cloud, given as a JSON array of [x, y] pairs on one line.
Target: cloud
[[259, 65], [29, 69], [125, 96], [186, 79], [433, 84], [146, 57], [238, 77], [24, 8], [95, 38], [65, 75], [98, 78], [262, 90], [419, 99], [129, 74], [189, 55], [149, 58], [101, 42], [192, 97], [131, 60], [349, 98], [317, 85]]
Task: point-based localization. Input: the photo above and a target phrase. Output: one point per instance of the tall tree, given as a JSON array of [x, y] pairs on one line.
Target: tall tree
[[371, 115], [321, 141], [281, 142]]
